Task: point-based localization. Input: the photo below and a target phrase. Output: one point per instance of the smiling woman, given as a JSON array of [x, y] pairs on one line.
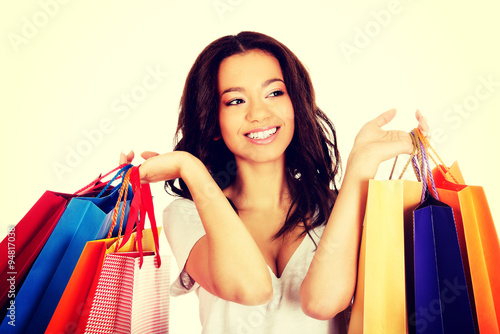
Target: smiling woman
[[256, 110], [256, 164]]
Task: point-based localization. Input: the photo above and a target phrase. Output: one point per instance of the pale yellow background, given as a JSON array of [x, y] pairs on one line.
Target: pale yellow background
[[66, 78]]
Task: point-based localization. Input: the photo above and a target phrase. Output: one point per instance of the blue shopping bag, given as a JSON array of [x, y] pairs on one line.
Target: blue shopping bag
[[441, 297], [84, 219]]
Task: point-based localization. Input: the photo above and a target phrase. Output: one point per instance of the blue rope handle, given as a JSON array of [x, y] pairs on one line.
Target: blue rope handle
[[428, 169], [121, 171], [424, 168]]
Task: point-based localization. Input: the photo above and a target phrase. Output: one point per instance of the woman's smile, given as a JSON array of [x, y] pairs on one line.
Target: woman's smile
[[262, 136]]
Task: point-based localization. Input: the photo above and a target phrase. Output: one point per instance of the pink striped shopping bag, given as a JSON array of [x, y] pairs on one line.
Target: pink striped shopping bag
[[129, 299]]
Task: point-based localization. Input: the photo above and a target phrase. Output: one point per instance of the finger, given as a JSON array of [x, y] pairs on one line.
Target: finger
[[385, 118], [422, 123], [130, 156], [123, 158], [148, 154]]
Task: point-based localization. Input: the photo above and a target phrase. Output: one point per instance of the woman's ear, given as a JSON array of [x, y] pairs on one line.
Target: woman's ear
[[217, 137]]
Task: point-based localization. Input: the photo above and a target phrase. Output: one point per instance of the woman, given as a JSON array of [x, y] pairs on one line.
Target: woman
[[261, 232]]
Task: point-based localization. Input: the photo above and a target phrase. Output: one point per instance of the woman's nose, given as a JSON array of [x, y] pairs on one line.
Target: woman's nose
[[257, 112]]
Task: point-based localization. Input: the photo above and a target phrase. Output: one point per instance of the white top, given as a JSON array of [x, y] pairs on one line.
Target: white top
[[282, 314]]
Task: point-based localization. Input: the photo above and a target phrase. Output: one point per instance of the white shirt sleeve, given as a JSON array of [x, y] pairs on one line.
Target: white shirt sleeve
[[183, 228]]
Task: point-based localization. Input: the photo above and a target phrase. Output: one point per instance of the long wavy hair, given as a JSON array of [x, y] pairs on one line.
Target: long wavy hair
[[312, 159]]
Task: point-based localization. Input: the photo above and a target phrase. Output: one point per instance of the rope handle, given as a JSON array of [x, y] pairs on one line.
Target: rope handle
[[92, 185], [122, 198], [413, 154], [141, 205], [445, 170], [425, 169], [420, 162]]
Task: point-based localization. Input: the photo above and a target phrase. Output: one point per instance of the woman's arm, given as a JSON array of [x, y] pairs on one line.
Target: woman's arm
[[330, 282], [226, 261]]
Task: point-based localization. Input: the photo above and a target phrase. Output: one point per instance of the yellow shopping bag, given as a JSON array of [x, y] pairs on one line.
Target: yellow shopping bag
[[380, 303]]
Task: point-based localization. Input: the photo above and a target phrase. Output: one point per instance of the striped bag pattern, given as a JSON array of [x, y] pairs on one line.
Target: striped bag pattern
[[129, 299]]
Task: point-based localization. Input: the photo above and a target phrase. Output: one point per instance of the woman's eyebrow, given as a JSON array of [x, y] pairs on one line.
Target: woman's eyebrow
[[270, 81], [233, 89], [241, 89]]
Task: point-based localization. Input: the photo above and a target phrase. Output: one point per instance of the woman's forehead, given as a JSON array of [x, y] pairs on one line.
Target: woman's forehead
[[248, 68]]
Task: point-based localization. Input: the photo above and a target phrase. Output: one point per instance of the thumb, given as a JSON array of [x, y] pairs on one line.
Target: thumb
[[148, 154], [385, 118]]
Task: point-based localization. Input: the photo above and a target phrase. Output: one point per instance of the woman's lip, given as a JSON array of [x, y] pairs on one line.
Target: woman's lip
[[264, 141], [263, 129]]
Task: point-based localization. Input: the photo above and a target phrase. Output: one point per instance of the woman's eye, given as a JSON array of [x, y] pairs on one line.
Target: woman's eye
[[234, 102], [276, 93]]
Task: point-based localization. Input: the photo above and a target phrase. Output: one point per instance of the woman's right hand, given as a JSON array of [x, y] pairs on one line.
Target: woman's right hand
[[159, 167], [127, 158]]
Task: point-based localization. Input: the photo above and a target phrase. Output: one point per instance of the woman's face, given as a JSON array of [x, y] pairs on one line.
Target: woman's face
[[256, 115]]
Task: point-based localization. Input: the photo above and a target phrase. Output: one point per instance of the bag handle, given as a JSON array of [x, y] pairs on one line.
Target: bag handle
[[141, 205], [122, 196], [443, 168], [412, 158], [121, 173], [420, 162], [424, 167], [92, 185]]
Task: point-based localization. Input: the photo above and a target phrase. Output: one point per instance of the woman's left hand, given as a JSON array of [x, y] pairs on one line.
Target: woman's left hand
[[374, 145]]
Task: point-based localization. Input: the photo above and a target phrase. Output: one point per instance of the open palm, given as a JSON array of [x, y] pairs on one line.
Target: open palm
[[379, 145]]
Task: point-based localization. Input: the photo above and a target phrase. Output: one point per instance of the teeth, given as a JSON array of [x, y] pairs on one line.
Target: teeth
[[262, 134]]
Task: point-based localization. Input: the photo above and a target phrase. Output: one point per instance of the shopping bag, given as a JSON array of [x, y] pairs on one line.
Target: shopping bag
[[479, 243], [82, 220], [24, 242], [26, 239], [129, 299], [132, 292], [77, 298], [380, 299], [441, 296]]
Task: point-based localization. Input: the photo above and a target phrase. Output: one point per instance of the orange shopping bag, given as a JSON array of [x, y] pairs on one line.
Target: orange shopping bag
[[479, 243]]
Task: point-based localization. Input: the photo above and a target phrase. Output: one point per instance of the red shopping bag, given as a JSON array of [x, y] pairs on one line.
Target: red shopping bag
[[26, 239], [44, 284]]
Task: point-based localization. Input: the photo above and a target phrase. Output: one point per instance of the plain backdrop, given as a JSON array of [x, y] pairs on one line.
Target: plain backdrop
[[82, 81]]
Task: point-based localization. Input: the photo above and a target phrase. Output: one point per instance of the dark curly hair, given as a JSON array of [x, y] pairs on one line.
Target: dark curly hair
[[312, 158]]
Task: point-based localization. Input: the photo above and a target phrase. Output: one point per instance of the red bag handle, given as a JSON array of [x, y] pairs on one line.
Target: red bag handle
[[142, 203], [95, 183]]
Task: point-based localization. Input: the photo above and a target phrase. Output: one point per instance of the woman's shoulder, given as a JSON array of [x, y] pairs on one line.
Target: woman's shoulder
[[316, 233], [179, 204], [180, 209]]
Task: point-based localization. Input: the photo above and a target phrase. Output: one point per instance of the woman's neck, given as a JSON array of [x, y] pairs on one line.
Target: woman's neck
[[260, 185]]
